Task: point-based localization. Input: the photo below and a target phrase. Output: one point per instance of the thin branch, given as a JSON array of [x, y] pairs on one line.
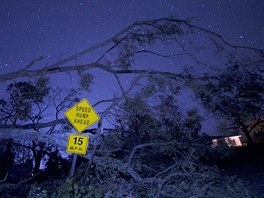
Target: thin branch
[[3, 180], [116, 43]]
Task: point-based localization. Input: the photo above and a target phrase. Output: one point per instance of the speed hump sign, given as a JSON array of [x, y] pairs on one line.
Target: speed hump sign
[[77, 144]]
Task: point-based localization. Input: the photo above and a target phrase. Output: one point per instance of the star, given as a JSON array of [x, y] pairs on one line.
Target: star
[[57, 29]]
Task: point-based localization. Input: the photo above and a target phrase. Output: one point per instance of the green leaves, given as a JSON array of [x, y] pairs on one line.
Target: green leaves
[[29, 91], [86, 81], [159, 85], [22, 97]]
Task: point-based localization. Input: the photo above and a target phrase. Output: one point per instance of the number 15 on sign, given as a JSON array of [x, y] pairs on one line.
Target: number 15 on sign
[[77, 144]]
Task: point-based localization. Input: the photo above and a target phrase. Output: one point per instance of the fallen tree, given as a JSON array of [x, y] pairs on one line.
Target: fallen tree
[[126, 58]]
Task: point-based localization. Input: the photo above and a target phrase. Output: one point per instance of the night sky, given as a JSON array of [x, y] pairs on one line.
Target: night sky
[[56, 29]]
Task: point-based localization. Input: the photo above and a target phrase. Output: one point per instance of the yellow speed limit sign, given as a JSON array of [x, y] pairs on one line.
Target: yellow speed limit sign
[[77, 144]]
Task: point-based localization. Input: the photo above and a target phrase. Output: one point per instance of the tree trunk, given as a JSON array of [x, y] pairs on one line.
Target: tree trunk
[[245, 130], [37, 157], [250, 140]]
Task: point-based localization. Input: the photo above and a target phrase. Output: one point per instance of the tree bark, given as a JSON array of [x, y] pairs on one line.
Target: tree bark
[[249, 138]]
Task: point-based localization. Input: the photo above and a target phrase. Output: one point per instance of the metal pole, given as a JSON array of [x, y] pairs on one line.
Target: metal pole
[[74, 159]]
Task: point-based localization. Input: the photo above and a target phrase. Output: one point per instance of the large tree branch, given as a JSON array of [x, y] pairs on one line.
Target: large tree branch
[[35, 125], [156, 24], [44, 71]]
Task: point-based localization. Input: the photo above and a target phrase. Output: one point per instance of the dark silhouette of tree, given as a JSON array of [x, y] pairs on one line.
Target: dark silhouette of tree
[[23, 97], [6, 157], [236, 93]]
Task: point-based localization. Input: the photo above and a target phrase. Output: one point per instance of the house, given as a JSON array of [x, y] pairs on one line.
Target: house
[[230, 141]]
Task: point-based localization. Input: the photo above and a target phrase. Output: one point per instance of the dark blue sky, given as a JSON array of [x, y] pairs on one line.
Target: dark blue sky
[[59, 28]]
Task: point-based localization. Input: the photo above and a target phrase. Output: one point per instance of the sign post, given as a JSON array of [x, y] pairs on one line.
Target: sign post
[[81, 116], [74, 159]]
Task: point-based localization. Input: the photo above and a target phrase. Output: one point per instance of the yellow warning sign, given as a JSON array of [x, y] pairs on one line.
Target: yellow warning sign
[[77, 144], [82, 115]]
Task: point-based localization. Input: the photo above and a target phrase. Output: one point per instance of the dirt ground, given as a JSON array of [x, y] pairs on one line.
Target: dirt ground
[[247, 164]]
